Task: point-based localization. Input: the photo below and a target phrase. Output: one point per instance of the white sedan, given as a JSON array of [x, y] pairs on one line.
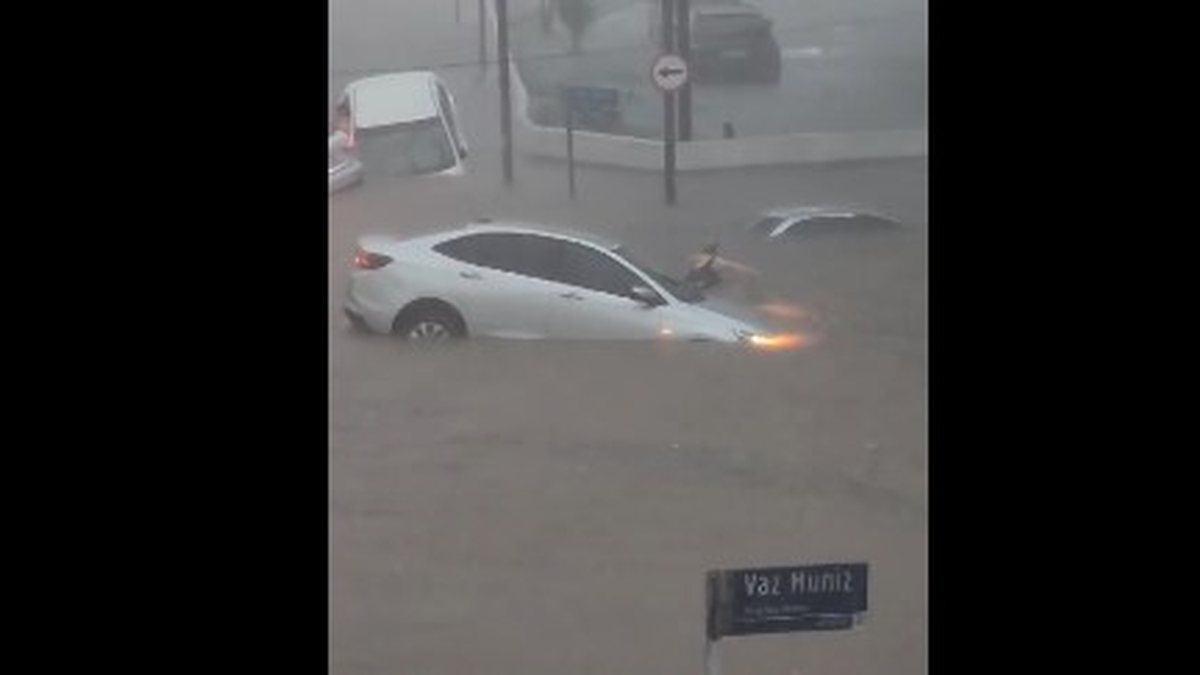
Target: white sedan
[[524, 281]]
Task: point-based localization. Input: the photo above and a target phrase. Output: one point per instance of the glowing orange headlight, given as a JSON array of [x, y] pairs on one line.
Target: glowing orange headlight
[[780, 341]]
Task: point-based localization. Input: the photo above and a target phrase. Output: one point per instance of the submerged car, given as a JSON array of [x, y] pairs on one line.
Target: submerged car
[[731, 41], [734, 41], [524, 281], [401, 124], [810, 221]]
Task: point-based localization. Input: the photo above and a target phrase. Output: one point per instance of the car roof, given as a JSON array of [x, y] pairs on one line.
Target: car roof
[[517, 227], [393, 98], [810, 211]]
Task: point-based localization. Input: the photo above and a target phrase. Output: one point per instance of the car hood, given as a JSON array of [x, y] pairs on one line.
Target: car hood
[[738, 316]]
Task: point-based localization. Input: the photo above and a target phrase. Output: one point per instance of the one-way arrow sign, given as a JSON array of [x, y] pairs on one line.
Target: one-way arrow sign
[[670, 72]]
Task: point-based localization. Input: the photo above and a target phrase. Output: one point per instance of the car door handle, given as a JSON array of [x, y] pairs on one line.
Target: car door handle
[[570, 295], [474, 276]]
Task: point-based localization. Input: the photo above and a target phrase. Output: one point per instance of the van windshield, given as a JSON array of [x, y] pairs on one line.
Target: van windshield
[[408, 148]]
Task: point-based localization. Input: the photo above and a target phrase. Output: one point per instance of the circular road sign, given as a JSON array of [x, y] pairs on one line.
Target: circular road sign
[[670, 72]]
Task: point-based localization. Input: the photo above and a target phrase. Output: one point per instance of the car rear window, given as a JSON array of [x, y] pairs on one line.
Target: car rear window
[[412, 147]]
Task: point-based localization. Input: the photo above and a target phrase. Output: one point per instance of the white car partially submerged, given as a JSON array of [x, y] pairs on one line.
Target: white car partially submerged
[[402, 124], [515, 280], [789, 222]]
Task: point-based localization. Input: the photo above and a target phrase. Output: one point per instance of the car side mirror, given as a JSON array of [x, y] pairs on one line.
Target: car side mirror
[[647, 296], [462, 152]]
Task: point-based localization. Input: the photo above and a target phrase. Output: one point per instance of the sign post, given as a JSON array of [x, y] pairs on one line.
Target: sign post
[[482, 16], [670, 72], [505, 96], [712, 664], [781, 600], [571, 151], [684, 40], [596, 108], [664, 73]]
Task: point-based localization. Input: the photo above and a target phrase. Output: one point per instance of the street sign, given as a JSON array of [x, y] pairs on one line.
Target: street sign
[[670, 72], [583, 99], [593, 107], [785, 599]]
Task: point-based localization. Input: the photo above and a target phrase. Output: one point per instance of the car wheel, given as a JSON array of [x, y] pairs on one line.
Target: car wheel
[[430, 326]]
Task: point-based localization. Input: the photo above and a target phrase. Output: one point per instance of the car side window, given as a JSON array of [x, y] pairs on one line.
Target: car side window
[[588, 268], [471, 249], [538, 257], [523, 254]]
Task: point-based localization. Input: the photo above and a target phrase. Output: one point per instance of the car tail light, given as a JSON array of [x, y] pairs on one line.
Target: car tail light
[[365, 260]]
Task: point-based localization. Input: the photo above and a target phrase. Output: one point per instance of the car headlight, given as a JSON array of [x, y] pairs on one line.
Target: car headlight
[[743, 335], [771, 341]]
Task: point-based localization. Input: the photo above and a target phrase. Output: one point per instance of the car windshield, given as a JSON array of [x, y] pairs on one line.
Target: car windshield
[[766, 225], [678, 289], [724, 26], [409, 148], [843, 223]]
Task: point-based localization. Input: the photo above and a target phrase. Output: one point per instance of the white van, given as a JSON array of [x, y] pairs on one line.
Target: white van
[[402, 123]]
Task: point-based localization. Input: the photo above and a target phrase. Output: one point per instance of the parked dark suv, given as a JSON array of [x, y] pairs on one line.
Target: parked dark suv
[[732, 40]]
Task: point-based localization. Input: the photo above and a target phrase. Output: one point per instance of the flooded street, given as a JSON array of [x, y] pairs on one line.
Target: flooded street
[[545, 507]]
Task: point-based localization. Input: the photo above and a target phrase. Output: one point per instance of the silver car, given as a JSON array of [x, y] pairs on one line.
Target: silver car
[[521, 281], [790, 222]]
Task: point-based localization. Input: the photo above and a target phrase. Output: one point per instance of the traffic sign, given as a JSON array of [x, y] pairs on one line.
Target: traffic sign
[[786, 599], [587, 99], [670, 72], [593, 107]]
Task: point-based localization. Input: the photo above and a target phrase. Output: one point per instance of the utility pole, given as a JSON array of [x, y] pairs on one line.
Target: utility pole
[[505, 98], [685, 51], [668, 47], [483, 35]]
